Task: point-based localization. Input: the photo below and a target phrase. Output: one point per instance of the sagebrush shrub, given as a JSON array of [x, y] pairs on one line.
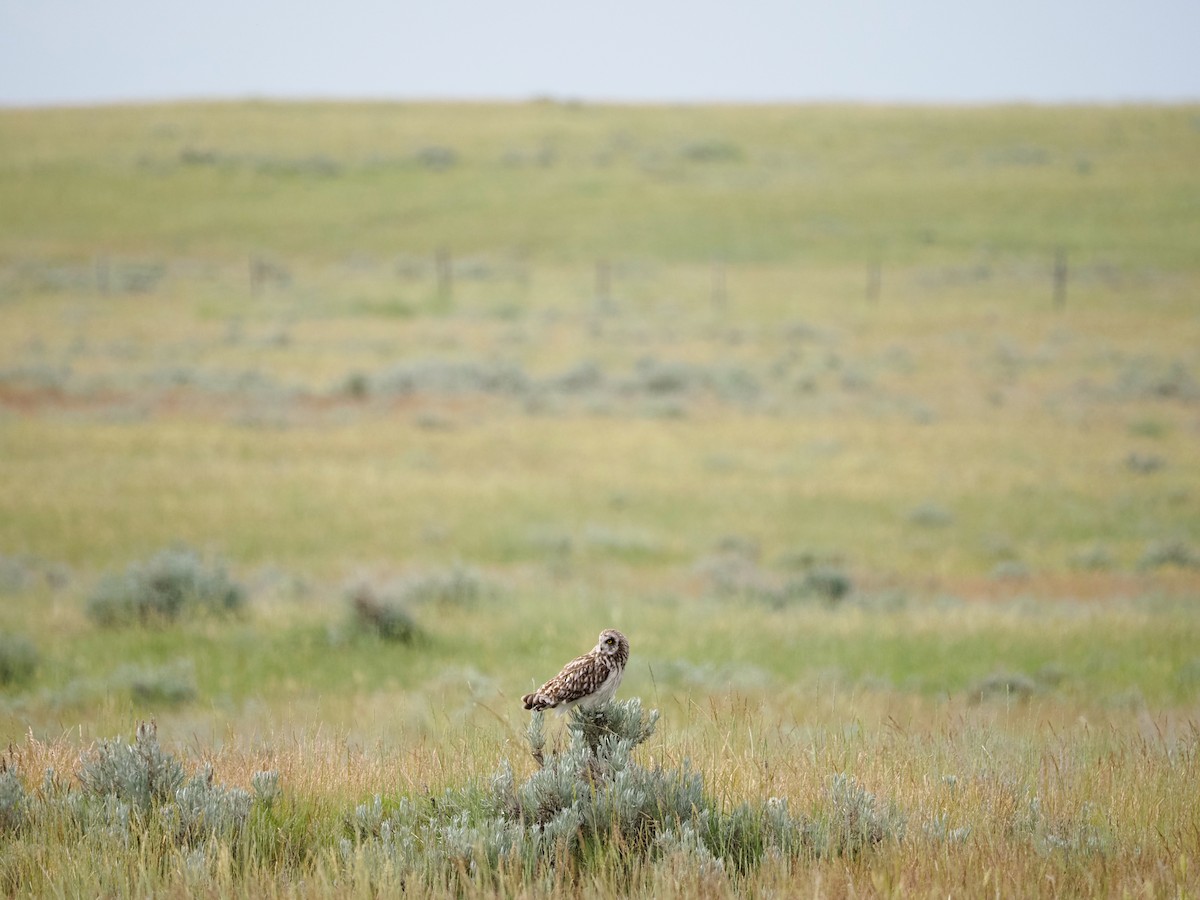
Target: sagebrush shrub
[[13, 801], [737, 575], [686, 846], [168, 684], [1003, 686], [827, 582], [204, 809], [172, 584], [587, 802], [18, 659], [854, 819], [931, 515], [1083, 833], [381, 614], [589, 805], [459, 585], [1173, 552], [266, 786], [1094, 558], [385, 609], [128, 786], [15, 575], [141, 774]]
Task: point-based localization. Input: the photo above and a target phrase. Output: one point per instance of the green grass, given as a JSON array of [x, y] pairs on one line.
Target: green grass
[[380, 490], [1008, 488], [808, 184]]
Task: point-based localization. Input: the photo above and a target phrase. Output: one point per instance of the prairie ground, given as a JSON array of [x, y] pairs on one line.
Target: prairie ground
[[874, 429]]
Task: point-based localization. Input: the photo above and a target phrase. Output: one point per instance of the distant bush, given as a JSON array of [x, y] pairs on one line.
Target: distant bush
[[1018, 155], [18, 659], [931, 515], [1144, 463], [317, 165], [357, 386], [1158, 379], [712, 151], [21, 573], [439, 376], [1172, 552], [739, 545], [15, 575], [170, 684], [173, 584], [437, 157], [732, 574], [458, 585], [1148, 428], [629, 543], [828, 582], [655, 387], [1003, 686], [654, 376], [1010, 570], [578, 379], [137, 278], [1094, 558], [381, 615], [550, 541]]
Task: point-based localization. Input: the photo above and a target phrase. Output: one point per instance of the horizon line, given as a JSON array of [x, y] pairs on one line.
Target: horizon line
[[568, 100]]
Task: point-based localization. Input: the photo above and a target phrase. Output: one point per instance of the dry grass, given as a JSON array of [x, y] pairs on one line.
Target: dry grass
[[994, 798]]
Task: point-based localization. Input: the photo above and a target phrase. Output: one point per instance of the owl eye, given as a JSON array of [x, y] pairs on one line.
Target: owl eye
[[609, 641]]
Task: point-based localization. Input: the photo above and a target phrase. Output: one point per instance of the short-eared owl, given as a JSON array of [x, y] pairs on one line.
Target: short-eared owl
[[588, 680]]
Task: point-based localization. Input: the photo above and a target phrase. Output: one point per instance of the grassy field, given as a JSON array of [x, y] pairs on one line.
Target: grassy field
[[874, 429]]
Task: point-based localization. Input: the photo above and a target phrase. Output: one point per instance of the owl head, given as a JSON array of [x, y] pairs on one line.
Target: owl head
[[612, 643]]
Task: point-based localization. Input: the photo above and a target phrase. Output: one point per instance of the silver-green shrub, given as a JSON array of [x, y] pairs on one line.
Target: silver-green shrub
[[18, 659], [376, 612], [585, 802], [854, 819], [168, 684], [174, 583], [140, 774], [204, 809], [127, 787], [13, 801], [458, 585]]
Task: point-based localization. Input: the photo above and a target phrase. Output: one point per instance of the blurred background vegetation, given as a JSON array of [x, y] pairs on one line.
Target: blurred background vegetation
[[785, 392]]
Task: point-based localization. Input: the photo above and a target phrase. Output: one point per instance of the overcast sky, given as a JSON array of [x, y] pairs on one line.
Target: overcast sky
[[959, 51]]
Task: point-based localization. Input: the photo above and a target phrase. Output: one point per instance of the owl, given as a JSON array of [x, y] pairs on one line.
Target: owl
[[588, 680]]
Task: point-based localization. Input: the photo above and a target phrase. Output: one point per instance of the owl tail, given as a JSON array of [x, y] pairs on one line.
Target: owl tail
[[536, 701]]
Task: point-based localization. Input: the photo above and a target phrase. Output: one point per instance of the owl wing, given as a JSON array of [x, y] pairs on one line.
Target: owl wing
[[578, 678]]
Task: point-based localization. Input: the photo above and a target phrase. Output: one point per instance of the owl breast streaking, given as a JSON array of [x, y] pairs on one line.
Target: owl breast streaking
[[588, 680]]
